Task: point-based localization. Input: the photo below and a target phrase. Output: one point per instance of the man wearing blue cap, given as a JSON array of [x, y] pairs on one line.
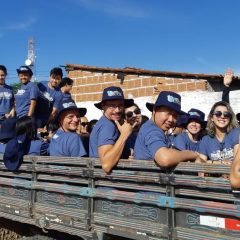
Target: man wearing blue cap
[[190, 139], [27, 94], [108, 137], [152, 142], [66, 142]]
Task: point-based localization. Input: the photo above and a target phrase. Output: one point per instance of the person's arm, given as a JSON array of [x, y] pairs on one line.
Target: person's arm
[[227, 80], [235, 168], [168, 157], [11, 113], [32, 107], [110, 154], [56, 104], [235, 150], [52, 115], [235, 172]]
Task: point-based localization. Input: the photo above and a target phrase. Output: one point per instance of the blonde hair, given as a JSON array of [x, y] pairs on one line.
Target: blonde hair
[[211, 129]]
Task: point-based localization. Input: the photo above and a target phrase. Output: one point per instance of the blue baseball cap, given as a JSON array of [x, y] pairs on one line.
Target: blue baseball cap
[[167, 99], [15, 149], [70, 104], [114, 93], [196, 114], [25, 69], [7, 130]]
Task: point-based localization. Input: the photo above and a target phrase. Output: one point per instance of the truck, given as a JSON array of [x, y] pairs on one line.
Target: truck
[[73, 198]]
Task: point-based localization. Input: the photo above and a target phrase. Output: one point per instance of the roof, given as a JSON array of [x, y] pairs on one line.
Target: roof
[[140, 71]]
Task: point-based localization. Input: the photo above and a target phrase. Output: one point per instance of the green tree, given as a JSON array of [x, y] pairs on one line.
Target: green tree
[[15, 87]]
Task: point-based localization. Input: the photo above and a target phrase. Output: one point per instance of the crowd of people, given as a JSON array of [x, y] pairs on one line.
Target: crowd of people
[[43, 119]]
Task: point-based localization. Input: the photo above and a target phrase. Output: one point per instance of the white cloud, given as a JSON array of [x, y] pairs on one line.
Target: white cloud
[[17, 26], [115, 7]]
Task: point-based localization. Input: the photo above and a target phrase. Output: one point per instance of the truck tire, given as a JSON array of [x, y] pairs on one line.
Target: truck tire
[[38, 237]]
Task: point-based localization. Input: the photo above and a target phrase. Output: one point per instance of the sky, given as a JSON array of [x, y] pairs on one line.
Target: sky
[[195, 36]]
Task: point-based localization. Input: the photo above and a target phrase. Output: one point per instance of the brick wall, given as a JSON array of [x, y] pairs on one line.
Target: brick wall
[[88, 85]]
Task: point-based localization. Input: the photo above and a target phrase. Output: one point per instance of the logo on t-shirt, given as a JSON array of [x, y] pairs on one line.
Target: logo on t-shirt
[[5, 95], [47, 96], [226, 153], [20, 92]]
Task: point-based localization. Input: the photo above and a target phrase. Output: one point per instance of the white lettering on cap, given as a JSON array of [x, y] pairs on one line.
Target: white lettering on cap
[[69, 104], [173, 99], [114, 93], [194, 114], [23, 69]]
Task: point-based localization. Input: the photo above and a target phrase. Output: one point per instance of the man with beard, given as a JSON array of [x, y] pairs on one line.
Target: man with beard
[[152, 141], [108, 137]]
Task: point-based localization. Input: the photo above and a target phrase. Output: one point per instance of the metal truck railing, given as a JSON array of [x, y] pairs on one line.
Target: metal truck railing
[[138, 200]]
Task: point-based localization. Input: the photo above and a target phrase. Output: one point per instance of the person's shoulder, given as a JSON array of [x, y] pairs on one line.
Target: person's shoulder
[[105, 122], [182, 135], [8, 87], [149, 127], [58, 90], [42, 84], [234, 131], [69, 134], [31, 84], [207, 138]]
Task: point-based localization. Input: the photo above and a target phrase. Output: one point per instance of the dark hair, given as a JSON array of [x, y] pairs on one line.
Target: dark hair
[[91, 125], [66, 81], [4, 69], [238, 117], [56, 71], [52, 127], [26, 125], [144, 119]]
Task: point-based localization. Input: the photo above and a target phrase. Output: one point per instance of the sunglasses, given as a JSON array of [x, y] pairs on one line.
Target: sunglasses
[[129, 114], [84, 124], [219, 114]]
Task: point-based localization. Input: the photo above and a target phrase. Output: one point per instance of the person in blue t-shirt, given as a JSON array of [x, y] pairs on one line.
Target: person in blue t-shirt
[[152, 142], [222, 141], [66, 142], [36, 146], [108, 137], [7, 109], [66, 86], [179, 128], [190, 139], [27, 94], [50, 97], [132, 115]]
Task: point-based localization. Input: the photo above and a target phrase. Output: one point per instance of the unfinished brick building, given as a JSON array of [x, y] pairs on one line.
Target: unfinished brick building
[[90, 81]]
